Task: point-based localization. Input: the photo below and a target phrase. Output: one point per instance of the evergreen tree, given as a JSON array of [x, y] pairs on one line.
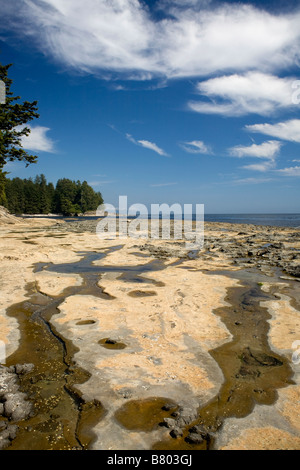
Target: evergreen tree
[[15, 195], [3, 198], [13, 115], [44, 206], [65, 195], [36, 196], [32, 200], [50, 191]]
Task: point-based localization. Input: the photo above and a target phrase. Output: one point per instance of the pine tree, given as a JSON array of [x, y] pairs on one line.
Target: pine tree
[[41, 187], [3, 198], [31, 192], [15, 195], [13, 115], [50, 196], [36, 196]]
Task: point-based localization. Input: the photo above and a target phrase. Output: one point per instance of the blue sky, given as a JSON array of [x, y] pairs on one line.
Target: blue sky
[[164, 101]]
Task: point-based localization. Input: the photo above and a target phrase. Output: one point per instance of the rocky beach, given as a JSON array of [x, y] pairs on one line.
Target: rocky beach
[[135, 344]]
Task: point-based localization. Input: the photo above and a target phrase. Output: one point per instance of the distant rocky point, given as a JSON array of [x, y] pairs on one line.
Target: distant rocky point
[[7, 218]]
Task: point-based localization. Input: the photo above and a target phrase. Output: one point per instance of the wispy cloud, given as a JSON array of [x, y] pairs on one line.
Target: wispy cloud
[[152, 146], [292, 171], [265, 150], [251, 181], [100, 183], [131, 139], [196, 146], [37, 140], [288, 130], [160, 185], [237, 95], [262, 167], [148, 145], [194, 38]]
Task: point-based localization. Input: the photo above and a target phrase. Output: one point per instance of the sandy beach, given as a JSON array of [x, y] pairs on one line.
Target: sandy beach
[[133, 344]]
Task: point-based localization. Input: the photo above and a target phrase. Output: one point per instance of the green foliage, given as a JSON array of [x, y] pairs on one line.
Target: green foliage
[[3, 199], [73, 198], [13, 116], [36, 196]]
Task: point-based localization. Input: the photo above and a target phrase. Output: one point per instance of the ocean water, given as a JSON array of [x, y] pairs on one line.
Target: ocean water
[[274, 220]]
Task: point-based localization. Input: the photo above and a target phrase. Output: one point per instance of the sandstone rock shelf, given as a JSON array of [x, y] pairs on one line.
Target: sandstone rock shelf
[[179, 328]]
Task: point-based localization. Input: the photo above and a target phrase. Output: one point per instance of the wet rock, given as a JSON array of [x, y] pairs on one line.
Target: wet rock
[[176, 432], [200, 430], [15, 407], [8, 433], [250, 357], [248, 372], [185, 419], [194, 438], [169, 423], [22, 369]]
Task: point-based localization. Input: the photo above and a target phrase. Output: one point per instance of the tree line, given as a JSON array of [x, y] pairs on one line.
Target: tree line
[[36, 196]]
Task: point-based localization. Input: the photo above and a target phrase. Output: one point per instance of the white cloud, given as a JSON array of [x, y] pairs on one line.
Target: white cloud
[[131, 139], [37, 140], [196, 146], [264, 166], [152, 146], [268, 150], [194, 38], [288, 130], [292, 171], [147, 144], [237, 95], [251, 181], [100, 183]]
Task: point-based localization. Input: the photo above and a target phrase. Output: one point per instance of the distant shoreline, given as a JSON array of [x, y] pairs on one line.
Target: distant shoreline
[[272, 220]]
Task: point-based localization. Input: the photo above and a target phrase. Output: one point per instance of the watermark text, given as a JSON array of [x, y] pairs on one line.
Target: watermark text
[[162, 221]]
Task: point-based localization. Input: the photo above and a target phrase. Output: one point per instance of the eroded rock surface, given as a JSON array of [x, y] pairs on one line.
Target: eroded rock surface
[[165, 319], [14, 405]]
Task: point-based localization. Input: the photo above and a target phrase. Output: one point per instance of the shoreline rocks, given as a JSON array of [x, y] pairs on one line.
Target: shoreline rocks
[[14, 406]]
